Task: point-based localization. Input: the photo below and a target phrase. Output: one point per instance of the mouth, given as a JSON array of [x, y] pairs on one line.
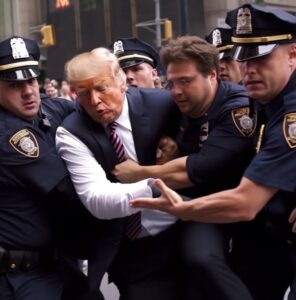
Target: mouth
[[30, 104]]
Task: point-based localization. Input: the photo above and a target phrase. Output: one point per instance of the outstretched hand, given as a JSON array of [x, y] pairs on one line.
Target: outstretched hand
[[169, 201]]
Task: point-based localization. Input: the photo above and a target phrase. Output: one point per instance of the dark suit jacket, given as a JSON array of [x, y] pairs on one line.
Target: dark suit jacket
[[152, 112]]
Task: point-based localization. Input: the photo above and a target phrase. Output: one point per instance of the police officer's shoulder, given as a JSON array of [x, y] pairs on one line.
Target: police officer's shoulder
[[57, 107]]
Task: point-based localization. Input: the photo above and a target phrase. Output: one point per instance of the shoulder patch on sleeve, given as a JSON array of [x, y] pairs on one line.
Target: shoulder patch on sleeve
[[243, 122], [289, 129], [25, 143]]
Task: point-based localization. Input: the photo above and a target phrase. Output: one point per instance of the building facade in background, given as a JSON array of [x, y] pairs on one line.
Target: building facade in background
[[81, 25]]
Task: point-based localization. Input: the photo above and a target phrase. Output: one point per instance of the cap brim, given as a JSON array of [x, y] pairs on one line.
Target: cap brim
[[20, 74], [225, 54], [130, 63], [246, 52]]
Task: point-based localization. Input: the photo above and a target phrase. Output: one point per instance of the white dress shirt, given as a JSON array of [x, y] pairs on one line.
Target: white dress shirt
[[103, 198]]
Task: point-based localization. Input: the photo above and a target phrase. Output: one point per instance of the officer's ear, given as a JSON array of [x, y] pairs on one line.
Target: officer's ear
[[292, 55]]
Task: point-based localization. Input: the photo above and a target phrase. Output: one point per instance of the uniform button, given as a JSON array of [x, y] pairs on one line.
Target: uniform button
[[289, 242], [12, 266], [28, 265]]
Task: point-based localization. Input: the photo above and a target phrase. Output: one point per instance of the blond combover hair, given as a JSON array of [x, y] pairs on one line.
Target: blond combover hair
[[89, 64]]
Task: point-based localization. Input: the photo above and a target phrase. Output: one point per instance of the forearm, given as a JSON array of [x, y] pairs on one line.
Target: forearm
[[104, 199], [173, 173], [239, 204]]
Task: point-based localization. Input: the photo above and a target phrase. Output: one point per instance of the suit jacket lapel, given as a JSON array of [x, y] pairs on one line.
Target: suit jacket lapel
[[140, 123], [107, 156]]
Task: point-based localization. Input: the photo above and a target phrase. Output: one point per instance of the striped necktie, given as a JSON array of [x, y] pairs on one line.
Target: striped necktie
[[133, 226]]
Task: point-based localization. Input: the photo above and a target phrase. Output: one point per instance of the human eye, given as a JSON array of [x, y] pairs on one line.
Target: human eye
[[13, 84], [83, 93], [100, 89], [184, 81], [32, 81]]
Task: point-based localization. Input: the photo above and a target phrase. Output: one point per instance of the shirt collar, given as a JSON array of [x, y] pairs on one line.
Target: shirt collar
[[124, 120]]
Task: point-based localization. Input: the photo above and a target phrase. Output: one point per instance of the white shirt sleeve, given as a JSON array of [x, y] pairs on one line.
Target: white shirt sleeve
[[104, 199]]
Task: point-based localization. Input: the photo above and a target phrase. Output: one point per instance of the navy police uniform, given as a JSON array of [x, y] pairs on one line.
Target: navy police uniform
[[264, 250], [219, 147], [33, 180]]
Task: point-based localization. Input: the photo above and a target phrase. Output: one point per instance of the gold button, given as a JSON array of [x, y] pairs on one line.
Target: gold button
[[12, 266]]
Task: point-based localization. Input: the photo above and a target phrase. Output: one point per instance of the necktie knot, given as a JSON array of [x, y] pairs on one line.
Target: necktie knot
[[112, 127]]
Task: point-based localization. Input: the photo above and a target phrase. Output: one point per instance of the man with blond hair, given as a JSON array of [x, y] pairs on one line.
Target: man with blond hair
[[117, 123]]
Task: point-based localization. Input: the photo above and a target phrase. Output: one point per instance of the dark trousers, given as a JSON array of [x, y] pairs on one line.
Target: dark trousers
[[55, 280], [35, 284], [266, 264], [146, 268], [205, 272]]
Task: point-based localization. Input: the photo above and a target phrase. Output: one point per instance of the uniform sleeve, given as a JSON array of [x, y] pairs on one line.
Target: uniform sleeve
[[275, 163], [30, 162], [224, 155], [104, 199]]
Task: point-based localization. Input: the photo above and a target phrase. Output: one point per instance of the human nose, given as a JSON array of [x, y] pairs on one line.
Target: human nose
[[248, 67], [95, 98], [129, 76], [27, 89]]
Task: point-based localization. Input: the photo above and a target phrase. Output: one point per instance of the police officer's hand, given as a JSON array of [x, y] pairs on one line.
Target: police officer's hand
[[169, 201], [292, 219], [167, 150], [127, 171]]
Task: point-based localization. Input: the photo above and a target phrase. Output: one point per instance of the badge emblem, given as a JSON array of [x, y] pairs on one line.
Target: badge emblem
[[216, 37], [289, 129], [244, 21], [25, 143], [243, 122], [118, 48], [204, 133], [18, 48]]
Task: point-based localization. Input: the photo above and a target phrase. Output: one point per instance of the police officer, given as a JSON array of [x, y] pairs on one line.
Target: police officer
[[33, 179], [215, 134], [139, 61], [229, 68], [265, 44]]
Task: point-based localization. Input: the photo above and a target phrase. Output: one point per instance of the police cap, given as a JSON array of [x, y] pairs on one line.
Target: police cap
[[258, 30], [132, 51], [221, 39], [19, 59]]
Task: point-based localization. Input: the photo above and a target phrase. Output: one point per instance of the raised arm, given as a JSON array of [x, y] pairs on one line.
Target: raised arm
[[239, 204]]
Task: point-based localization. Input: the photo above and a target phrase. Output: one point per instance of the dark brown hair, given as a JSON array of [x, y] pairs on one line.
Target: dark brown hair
[[191, 48]]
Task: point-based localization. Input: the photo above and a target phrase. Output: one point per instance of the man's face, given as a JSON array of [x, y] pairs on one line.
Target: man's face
[[51, 91], [265, 77], [102, 97], [229, 70], [20, 97], [192, 91], [141, 75]]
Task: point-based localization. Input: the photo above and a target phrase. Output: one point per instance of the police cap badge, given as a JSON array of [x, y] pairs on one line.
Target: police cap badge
[[258, 30]]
